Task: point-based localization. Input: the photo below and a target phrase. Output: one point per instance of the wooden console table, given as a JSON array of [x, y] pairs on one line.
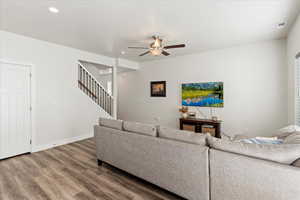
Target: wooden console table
[[198, 123]]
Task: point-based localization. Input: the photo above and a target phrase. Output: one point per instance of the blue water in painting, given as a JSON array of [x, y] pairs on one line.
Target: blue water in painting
[[204, 102]]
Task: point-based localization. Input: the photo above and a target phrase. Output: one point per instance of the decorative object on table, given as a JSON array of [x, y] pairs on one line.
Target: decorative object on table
[[199, 123], [214, 118], [158, 88], [192, 114], [184, 111], [203, 94], [185, 115]]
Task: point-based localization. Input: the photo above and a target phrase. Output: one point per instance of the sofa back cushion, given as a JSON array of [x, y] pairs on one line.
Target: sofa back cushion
[[182, 136], [140, 128], [111, 123], [281, 153]]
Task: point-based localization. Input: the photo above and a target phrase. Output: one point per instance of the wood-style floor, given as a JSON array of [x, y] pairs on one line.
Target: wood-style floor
[[70, 172]]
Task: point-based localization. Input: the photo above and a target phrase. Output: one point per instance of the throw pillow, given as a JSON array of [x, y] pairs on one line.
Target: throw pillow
[[294, 138], [263, 140], [283, 153], [286, 131], [240, 137]]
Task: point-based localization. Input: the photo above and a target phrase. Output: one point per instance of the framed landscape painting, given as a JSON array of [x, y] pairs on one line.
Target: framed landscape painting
[[158, 88], [203, 94]]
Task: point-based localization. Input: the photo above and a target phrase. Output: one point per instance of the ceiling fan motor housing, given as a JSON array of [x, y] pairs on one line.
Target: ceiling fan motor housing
[[156, 48]]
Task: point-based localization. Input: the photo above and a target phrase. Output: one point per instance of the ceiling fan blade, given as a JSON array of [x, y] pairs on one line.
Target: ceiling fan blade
[[165, 53], [174, 46], [138, 48], [145, 53]]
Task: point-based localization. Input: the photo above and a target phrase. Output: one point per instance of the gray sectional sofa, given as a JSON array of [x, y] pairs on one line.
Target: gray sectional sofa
[[196, 167]]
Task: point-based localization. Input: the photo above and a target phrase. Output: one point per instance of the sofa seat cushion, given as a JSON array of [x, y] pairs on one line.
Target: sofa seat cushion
[[111, 123], [140, 128], [182, 136], [281, 153]]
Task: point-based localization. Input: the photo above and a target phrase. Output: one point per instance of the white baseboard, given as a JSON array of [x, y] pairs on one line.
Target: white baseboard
[[61, 142]]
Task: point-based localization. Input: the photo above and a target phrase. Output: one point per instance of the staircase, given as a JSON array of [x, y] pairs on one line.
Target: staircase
[[93, 89]]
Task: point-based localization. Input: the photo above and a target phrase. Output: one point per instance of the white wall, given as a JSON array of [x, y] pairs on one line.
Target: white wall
[[255, 82], [62, 112], [293, 47], [101, 78], [128, 64], [104, 79]]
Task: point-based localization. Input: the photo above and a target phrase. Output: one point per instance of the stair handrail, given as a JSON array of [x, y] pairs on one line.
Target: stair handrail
[[79, 63]]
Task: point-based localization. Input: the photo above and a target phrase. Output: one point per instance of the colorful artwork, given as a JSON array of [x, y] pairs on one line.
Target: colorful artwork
[[203, 94]]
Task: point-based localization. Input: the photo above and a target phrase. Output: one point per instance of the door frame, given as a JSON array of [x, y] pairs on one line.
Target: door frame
[[32, 98]]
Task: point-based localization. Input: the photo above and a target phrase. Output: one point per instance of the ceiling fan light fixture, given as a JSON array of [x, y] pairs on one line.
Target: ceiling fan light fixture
[[53, 10], [156, 51], [157, 48], [157, 43]]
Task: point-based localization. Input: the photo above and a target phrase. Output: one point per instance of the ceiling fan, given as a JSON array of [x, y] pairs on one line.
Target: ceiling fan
[[156, 48]]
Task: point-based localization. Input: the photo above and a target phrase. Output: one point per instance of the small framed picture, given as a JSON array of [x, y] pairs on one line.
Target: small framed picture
[[158, 88]]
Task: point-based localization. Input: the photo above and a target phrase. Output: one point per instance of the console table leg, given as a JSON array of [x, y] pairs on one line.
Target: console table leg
[[100, 162]]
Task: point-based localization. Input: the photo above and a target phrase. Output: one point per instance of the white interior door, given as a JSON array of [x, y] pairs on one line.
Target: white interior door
[[15, 114]]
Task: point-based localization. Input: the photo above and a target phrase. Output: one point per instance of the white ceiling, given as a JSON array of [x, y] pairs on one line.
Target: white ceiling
[[108, 26], [120, 69]]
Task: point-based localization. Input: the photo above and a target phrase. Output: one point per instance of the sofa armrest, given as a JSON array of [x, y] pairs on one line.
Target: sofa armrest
[[99, 141], [102, 136], [235, 176]]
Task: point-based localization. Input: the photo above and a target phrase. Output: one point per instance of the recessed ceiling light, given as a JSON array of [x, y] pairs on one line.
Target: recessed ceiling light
[[123, 52], [281, 25], [53, 10]]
